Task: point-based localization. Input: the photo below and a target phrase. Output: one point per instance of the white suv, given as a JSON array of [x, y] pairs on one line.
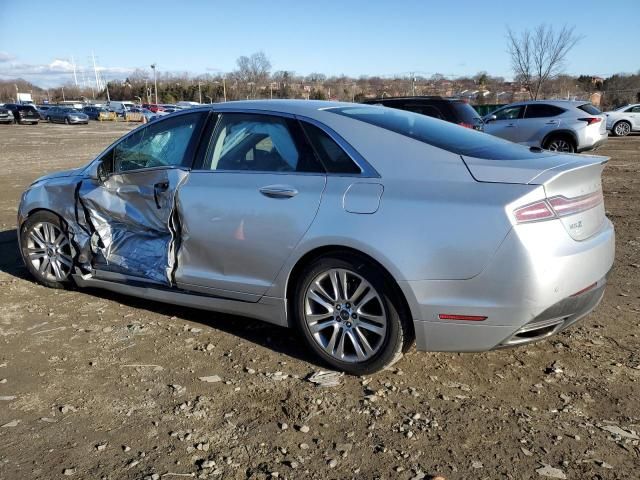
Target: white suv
[[558, 125], [624, 120]]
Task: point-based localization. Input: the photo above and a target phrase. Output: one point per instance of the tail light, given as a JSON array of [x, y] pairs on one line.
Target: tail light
[[558, 206], [591, 120], [465, 125]]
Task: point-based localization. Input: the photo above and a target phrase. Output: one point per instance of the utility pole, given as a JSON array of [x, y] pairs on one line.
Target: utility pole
[[95, 71], [63, 94], [224, 87], [75, 77], [155, 81]]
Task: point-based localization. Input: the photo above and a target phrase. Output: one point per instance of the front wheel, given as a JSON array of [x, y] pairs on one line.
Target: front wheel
[[350, 315], [66, 120], [46, 249], [622, 129]]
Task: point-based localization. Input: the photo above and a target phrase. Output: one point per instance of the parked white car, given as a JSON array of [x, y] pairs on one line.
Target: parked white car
[[624, 120]]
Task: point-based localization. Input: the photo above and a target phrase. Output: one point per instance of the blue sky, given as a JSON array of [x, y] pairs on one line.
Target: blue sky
[[333, 37]]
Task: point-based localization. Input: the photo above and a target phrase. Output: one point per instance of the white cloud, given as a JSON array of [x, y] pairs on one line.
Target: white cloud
[[58, 72], [6, 57]]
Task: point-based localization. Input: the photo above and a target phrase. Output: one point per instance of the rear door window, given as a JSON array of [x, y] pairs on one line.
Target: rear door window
[[428, 110], [260, 143], [590, 109], [542, 110], [465, 113]]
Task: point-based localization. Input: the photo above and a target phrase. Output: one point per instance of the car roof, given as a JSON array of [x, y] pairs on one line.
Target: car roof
[[293, 107], [416, 98], [559, 103]]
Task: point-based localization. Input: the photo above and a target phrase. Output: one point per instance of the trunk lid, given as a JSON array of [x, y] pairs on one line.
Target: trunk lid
[[572, 185]]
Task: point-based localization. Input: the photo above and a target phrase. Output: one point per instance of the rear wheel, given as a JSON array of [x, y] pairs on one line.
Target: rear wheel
[[622, 129], [350, 315], [66, 120], [560, 143], [46, 249]]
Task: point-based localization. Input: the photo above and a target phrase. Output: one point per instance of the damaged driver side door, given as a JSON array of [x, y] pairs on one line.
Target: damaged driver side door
[[130, 206]]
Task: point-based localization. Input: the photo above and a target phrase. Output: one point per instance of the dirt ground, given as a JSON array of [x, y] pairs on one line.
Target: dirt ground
[[97, 385]]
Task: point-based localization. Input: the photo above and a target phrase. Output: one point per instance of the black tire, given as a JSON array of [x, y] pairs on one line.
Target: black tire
[[49, 119], [27, 226], [66, 120], [616, 126], [399, 334], [560, 139]]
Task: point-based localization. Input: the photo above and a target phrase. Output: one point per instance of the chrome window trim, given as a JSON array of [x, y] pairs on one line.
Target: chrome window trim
[[366, 170]]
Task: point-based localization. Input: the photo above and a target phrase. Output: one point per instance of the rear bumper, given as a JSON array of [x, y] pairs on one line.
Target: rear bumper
[[527, 292], [597, 144], [591, 141]]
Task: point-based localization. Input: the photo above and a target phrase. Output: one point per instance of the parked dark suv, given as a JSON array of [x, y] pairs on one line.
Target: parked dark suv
[[23, 113], [452, 110]]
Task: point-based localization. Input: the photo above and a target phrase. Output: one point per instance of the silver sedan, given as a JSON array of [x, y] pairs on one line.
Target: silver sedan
[[364, 227]]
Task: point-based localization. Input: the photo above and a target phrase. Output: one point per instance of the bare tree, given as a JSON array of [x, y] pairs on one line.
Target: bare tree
[[539, 55], [254, 69]]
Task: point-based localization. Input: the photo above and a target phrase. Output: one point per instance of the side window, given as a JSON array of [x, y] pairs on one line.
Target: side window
[[509, 113], [161, 144], [334, 158], [427, 110], [259, 143], [634, 110], [541, 110]]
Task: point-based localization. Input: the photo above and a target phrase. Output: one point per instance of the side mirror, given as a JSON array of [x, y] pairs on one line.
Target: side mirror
[[490, 118]]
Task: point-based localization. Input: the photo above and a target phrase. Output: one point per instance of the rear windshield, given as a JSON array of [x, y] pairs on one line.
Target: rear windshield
[[445, 135], [466, 113], [590, 109], [26, 108]]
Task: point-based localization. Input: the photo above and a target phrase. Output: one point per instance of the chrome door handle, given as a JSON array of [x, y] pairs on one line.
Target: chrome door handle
[[278, 191], [511, 125], [552, 122]]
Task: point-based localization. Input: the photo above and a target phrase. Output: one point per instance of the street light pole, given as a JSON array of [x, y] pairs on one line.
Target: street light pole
[[62, 94], [199, 92], [224, 87], [155, 81]]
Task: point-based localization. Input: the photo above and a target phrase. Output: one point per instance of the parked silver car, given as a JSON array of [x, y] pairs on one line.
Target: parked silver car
[[363, 226], [556, 125], [624, 120], [66, 115]]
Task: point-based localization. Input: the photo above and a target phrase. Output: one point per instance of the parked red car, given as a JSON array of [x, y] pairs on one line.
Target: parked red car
[[154, 107]]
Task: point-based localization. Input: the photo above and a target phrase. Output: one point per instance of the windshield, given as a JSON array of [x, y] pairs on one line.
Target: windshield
[[441, 134]]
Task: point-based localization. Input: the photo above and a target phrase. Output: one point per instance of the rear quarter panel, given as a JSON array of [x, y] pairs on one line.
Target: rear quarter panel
[[433, 222]]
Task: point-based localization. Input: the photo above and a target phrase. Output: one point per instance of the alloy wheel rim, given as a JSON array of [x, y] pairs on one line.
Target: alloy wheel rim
[[49, 251], [560, 146], [345, 315], [622, 129]]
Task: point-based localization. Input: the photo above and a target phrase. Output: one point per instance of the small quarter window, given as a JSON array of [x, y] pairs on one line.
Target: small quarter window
[[334, 158]]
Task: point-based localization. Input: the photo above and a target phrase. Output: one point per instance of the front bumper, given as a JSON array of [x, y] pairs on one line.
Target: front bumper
[[527, 292]]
